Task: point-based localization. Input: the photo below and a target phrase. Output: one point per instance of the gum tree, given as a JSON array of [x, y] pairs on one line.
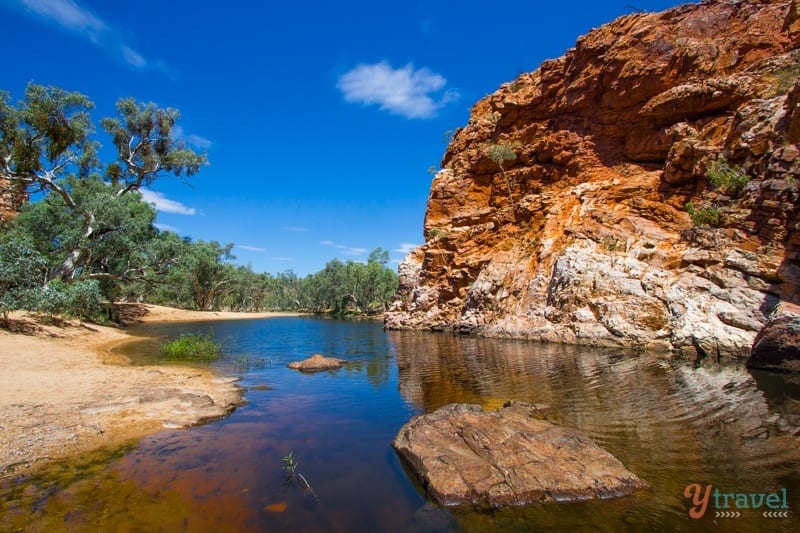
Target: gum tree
[[47, 146]]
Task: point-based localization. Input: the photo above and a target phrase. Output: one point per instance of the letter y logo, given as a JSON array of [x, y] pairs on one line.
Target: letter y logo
[[699, 499]]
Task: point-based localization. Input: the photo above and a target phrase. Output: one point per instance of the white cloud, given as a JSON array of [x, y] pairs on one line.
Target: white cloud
[[250, 248], [347, 250], [164, 204], [406, 247], [132, 57], [201, 143], [355, 251], [69, 15], [403, 91], [72, 17]]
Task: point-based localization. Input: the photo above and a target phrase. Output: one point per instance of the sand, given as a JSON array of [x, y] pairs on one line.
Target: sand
[[63, 392]]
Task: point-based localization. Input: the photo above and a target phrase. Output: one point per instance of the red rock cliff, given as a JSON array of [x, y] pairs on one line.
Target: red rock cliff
[[561, 210]]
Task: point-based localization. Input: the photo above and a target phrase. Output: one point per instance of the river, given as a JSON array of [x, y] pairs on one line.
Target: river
[[673, 423]]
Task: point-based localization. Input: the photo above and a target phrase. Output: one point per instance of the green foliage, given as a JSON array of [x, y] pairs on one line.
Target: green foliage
[[787, 77], [706, 216], [21, 272], [90, 223], [89, 234], [192, 347], [351, 287], [449, 135], [290, 463], [500, 153], [81, 299], [730, 179]]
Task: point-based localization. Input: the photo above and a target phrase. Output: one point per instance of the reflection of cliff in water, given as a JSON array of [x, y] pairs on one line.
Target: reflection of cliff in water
[[664, 419]]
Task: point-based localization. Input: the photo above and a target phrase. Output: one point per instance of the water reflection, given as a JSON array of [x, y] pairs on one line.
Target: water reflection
[[670, 423]]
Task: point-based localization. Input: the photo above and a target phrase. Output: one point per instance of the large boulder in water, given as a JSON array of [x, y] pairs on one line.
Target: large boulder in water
[[317, 363], [777, 345], [464, 455]]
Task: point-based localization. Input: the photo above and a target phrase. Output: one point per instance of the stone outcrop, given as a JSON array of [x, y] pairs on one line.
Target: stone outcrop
[[561, 211], [464, 455], [777, 346], [317, 363], [11, 200]]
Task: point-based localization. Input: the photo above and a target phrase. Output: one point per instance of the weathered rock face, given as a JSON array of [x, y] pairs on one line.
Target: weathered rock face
[[464, 455], [10, 200], [560, 213], [777, 346], [316, 363]]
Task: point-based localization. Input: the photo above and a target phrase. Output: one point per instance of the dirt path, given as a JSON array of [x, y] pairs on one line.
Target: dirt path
[[62, 392]]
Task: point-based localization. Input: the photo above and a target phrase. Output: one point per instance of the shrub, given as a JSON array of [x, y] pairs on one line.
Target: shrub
[[21, 272], [81, 299], [732, 180], [500, 153], [84, 300], [704, 216], [192, 347]]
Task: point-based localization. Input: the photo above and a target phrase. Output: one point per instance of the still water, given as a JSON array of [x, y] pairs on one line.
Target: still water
[[672, 423]]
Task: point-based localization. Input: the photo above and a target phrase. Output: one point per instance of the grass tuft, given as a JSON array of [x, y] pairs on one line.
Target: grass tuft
[[192, 347]]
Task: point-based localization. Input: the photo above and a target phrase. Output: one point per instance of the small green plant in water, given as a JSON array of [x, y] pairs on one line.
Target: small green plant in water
[[723, 176], [290, 465], [192, 347]]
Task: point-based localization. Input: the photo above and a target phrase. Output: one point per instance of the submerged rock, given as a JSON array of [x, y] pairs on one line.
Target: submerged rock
[[777, 345], [463, 455], [317, 363]]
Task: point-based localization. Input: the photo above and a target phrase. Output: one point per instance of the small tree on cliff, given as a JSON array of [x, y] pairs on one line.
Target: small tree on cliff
[[500, 153], [46, 145]]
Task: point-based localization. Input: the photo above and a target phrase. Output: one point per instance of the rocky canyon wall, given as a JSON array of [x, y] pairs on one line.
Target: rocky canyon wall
[[560, 213]]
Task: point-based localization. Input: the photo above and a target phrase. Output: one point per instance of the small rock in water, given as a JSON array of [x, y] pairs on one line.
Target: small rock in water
[[317, 363], [276, 507]]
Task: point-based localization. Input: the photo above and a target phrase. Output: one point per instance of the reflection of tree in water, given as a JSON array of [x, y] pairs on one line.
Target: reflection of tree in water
[[437, 369]]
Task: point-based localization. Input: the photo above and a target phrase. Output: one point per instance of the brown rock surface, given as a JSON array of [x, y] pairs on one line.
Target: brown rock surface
[[11, 200], [317, 363], [464, 455], [777, 346], [584, 236]]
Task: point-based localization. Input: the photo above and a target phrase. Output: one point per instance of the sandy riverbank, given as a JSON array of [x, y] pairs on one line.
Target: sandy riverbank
[[62, 392]]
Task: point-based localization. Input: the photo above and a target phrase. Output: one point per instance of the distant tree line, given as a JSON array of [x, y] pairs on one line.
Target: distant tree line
[[89, 236]]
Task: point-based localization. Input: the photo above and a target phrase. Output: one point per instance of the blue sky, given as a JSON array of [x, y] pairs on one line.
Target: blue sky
[[320, 119]]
